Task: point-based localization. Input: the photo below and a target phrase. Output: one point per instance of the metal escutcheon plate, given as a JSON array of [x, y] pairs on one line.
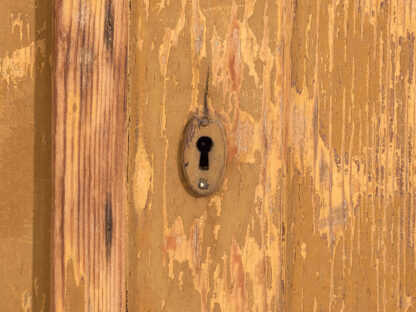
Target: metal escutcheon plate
[[202, 180]]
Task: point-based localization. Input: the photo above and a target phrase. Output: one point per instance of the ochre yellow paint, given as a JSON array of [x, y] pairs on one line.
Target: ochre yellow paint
[[317, 207], [25, 154]]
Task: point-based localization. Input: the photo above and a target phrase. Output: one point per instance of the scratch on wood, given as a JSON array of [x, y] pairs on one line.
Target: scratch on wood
[[206, 95]]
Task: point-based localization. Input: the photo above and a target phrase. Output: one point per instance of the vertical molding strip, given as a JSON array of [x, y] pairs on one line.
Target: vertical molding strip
[[90, 152]]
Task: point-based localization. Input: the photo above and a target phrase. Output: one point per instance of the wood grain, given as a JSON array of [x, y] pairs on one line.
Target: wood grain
[[317, 209], [90, 110]]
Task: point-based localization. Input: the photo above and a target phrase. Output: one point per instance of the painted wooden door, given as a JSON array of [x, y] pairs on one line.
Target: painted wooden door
[[316, 211]]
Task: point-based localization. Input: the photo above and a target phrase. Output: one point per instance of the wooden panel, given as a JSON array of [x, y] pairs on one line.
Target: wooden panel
[[88, 272], [25, 164], [223, 252], [317, 210], [351, 165]]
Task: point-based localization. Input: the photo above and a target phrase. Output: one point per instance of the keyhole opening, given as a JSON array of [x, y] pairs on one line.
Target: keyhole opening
[[204, 145]]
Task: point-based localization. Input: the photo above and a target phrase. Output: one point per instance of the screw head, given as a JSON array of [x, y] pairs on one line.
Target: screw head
[[202, 184], [204, 122]]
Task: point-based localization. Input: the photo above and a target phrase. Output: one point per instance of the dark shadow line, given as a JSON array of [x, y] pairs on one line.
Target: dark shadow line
[[42, 158]]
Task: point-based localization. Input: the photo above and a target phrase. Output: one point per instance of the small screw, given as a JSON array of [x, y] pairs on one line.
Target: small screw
[[204, 122], [202, 184]]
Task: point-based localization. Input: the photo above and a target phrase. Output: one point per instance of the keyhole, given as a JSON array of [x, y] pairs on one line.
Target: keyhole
[[204, 145]]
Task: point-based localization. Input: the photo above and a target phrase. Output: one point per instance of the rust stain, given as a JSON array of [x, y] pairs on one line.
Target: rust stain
[[234, 55]]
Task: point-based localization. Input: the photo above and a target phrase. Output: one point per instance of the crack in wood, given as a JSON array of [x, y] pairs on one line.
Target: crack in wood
[[108, 26], [108, 226]]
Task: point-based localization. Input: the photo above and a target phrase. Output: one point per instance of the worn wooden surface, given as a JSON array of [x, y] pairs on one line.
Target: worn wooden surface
[[90, 153], [350, 207], [25, 164], [317, 210], [223, 252]]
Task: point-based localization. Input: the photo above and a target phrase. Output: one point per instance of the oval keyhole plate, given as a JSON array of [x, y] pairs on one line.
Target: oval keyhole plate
[[202, 156]]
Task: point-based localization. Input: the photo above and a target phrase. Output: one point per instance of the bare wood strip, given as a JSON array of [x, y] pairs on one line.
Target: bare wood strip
[[88, 270]]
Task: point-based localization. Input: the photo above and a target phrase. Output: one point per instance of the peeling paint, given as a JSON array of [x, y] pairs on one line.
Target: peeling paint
[[317, 103], [20, 63]]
